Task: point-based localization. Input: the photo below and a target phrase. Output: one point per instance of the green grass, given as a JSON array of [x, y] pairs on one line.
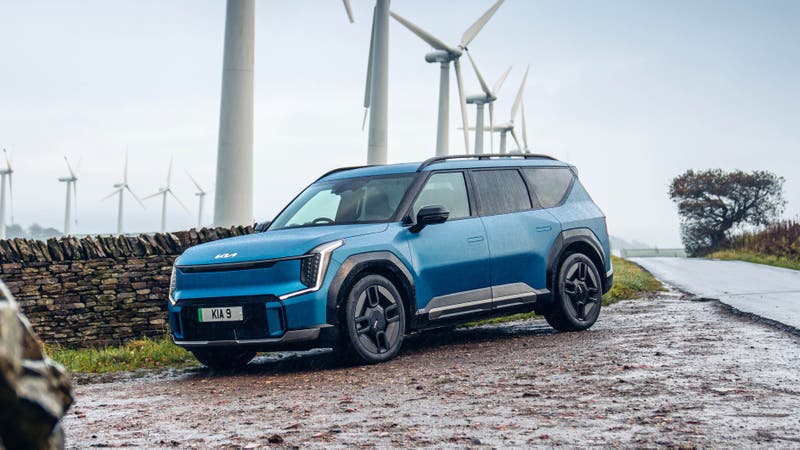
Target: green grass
[[630, 281], [758, 258], [139, 354]]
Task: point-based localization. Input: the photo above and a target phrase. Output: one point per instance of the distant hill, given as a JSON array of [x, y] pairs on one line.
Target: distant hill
[[618, 244]]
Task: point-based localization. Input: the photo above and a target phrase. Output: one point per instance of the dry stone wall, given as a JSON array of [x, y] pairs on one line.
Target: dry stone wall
[[96, 291]]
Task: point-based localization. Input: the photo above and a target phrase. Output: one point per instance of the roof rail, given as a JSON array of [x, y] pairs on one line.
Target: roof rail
[[341, 169], [438, 159]]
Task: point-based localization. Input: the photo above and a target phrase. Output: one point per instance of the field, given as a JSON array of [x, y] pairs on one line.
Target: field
[[776, 245]]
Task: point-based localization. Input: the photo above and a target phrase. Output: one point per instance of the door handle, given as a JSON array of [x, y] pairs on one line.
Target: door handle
[[544, 228], [475, 239]]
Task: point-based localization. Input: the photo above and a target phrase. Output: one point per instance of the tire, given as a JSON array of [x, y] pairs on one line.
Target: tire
[[374, 322], [224, 358], [578, 294]]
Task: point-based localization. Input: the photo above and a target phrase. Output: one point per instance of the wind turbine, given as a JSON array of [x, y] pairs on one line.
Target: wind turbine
[[119, 190], [524, 129], [508, 127], [376, 91], [444, 54], [488, 97], [163, 193], [72, 194], [201, 196], [6, 173]]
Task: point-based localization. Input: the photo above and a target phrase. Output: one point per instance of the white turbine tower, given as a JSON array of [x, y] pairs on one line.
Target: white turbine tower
[[201, 196], [376, 92], [508, 127], [6, 174], [488, 97], [163, 192], [72, 195], [234, 190], [119, 190], [444, 54]]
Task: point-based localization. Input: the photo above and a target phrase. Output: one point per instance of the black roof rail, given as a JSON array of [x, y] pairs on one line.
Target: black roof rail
[[438, 159], [341, 169]]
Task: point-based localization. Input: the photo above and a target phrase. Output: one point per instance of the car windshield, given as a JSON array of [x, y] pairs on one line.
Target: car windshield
[[348, 201]]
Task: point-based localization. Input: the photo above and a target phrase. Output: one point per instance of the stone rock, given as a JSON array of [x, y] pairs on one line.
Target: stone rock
[[35, 392]]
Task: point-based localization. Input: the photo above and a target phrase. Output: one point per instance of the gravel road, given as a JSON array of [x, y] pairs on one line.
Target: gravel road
[[666, 371]]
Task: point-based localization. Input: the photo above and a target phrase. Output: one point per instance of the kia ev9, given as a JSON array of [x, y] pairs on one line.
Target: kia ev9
[[366, 255]]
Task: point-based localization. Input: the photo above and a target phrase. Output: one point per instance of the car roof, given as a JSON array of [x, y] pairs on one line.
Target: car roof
[[467, 162]]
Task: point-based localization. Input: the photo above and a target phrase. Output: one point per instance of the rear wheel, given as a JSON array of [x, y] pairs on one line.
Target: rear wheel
[[578, 294], [374, 320], [224, 358]]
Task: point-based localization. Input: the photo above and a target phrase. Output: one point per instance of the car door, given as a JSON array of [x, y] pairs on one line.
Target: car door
[[451, 259], [520, 235]]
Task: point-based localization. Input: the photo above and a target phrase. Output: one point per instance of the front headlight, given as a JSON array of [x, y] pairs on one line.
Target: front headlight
[[172, 285], [314, 266]]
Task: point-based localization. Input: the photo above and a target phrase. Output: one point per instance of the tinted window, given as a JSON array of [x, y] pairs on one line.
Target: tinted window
[[448, 190], [500, 191], [549, 184]]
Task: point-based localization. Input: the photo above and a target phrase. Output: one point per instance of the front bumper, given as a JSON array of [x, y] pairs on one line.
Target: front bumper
[[292, 338]]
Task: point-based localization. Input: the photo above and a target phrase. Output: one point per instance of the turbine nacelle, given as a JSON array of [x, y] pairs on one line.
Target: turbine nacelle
[[443, 56], [480, 99]]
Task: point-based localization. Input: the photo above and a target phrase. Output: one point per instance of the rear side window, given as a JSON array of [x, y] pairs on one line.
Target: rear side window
[[549, 183], [500, 191], [447, 189]]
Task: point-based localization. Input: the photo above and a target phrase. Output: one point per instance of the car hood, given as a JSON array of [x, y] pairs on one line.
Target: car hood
[[272, 244]]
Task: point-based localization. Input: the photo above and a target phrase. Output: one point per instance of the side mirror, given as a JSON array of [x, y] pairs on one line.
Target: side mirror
[[430, 215], [262, 226]]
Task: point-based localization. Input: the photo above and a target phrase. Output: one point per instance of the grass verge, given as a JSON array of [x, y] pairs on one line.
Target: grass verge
[[139, 354], [758, 258], [630, 281]]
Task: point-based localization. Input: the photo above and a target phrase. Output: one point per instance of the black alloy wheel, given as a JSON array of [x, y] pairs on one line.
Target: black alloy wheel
[[375, 319], [579, 294]]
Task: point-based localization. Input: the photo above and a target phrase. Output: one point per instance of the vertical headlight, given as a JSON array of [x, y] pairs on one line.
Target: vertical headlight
[[172, 285], [314, 266]]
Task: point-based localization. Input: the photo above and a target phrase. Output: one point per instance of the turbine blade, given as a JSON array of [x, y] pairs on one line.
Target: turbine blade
[[152, 195], [430, 39], [499, 83], [491, 127], [135, 196], [524, 127], [519, 95], [125, 172], [8, 161], [462, 102], [71, 172], [113, 193], [196, 184], [484, 86], [514, 135], [169, 172], [348, 9], [476, 27], [368, 84], [178, 200]]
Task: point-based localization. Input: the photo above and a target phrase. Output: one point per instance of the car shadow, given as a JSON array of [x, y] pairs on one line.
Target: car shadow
[[325, 359]]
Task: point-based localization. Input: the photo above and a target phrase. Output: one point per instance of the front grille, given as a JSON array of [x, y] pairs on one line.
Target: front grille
[[254, 326]]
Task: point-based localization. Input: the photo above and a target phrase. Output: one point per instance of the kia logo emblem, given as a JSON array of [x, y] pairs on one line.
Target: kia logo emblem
[[225, 255]]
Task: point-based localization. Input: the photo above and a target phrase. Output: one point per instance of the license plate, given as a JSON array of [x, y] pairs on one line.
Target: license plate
[[221, 314]]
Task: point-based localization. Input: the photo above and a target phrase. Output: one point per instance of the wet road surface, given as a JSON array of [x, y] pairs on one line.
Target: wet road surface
[[664, 371], [769, 292]]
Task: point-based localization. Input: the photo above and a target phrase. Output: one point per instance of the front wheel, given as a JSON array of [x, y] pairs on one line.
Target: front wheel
[[578, 294], [374, 320], [224, 358]]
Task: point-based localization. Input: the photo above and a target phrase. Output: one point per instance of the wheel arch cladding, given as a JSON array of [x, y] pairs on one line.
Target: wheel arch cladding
[[381, 263], [578, 240]]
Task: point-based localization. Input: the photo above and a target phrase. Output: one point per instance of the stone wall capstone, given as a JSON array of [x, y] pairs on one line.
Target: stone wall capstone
[[97, 291]]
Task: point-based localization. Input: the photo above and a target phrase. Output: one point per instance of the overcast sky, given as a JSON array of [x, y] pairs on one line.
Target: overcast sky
[[632, 92]]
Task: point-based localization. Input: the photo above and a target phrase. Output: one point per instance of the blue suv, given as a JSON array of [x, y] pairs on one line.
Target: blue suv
[[366, 255]]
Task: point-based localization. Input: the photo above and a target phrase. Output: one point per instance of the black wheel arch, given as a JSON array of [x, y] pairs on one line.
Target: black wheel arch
[[383, 263], [581, 240]]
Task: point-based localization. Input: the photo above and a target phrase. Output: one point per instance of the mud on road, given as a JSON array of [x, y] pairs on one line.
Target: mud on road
[[652, 372]]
